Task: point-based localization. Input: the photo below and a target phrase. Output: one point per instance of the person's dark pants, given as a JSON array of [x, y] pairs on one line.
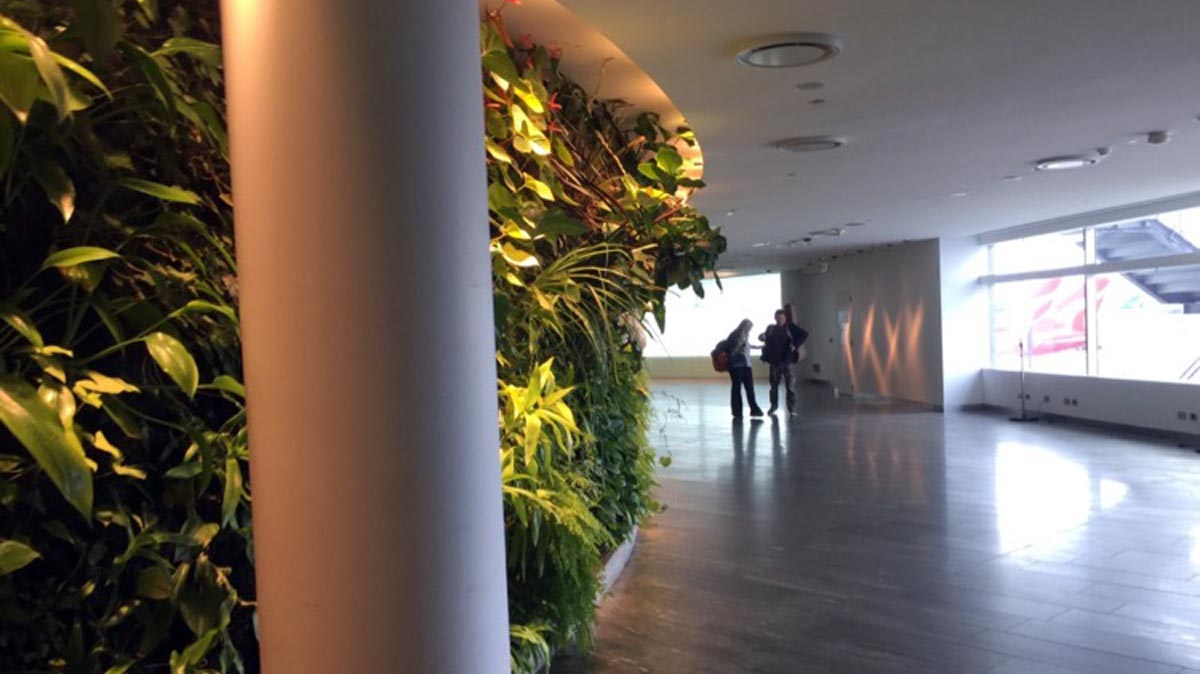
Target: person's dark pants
[[783, 371], [739, 378]]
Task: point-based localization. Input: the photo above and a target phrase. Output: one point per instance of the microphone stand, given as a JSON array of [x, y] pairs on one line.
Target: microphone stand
[[1025, 416]]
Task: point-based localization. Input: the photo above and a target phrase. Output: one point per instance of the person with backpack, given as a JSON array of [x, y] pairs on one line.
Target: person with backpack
[[741, 376], [781, 343]]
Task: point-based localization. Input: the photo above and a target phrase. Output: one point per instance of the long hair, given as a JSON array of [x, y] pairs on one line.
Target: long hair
[[740, 334]]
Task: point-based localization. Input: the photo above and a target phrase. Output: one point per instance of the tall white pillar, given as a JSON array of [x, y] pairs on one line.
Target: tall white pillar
[[362, 241]]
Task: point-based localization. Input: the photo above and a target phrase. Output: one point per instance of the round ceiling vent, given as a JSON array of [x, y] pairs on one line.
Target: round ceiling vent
[[790, 51], [809, 144]]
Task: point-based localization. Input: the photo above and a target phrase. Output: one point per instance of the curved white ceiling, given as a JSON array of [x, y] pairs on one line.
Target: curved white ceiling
[[935, 97]]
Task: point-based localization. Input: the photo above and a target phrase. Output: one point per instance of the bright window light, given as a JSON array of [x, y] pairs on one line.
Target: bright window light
[[695, 325]]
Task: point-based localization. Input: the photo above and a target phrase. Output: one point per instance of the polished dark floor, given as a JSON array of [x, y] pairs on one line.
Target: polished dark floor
[[869, 538]]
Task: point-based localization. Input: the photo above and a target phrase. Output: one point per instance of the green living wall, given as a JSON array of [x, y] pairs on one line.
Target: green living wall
[[589, 229], [125, 532], [125, 540]]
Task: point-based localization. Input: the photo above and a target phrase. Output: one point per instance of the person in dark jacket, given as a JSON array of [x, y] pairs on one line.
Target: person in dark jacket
[[777, 353], [740, 374], [782, 342]]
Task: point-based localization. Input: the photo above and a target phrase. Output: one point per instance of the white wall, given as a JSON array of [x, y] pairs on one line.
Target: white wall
[[1144, 404], [895, 321], [965, 321]]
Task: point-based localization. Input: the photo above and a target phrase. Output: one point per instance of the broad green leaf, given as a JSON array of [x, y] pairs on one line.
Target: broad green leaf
[[233, 490], [182, 662], [164, 192], [149, 8], [173, 357], [81, 71], [38, 428], [517, 257], [540, 188], [18, 321], [203, 599], [207, 52], [556, 223], [202, 306], [202, 535], [185, 471], [561, 151], [498, 153], [15, 555], [227, 384], [499, 63], [668, 159], [57, 185], [123, 417], [18, 83], [154, 75], [78, 255], [530, 99], [106, 384], [51, 74], [154, 582], [649, 170], [97, 23]]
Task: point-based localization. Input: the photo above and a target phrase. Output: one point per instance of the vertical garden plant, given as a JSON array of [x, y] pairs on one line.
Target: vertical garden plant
[[125, 533], [590, 227], [124, 525]]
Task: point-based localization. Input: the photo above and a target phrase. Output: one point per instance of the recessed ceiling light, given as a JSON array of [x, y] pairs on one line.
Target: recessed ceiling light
[[809, 144], [790, 51], [1065, 162], [760, 244], [1013, 178], [960, 193], [813, 86], [731, 212]]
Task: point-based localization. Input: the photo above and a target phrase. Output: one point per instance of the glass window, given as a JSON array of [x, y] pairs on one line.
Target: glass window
[[695, 325], [1042, 321], [1148, 324], [1045, 251]]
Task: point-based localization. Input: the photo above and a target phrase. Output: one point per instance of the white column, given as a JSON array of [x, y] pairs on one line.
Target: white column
[[361, 221]]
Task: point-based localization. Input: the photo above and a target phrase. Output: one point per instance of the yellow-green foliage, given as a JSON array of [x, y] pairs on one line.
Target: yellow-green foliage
[[589, 228]]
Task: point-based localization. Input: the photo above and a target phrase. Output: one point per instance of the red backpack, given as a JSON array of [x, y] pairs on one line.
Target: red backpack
[[720, 356]]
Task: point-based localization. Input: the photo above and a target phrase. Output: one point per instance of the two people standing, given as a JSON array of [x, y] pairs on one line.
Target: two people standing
[[782, 343]]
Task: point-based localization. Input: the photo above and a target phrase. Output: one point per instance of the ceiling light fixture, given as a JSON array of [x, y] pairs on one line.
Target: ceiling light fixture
[[1013, 178], [1070, 161], [960, 193], [809, 144], [731, 212], [760, 245], [1158, 137], [790, 51]]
